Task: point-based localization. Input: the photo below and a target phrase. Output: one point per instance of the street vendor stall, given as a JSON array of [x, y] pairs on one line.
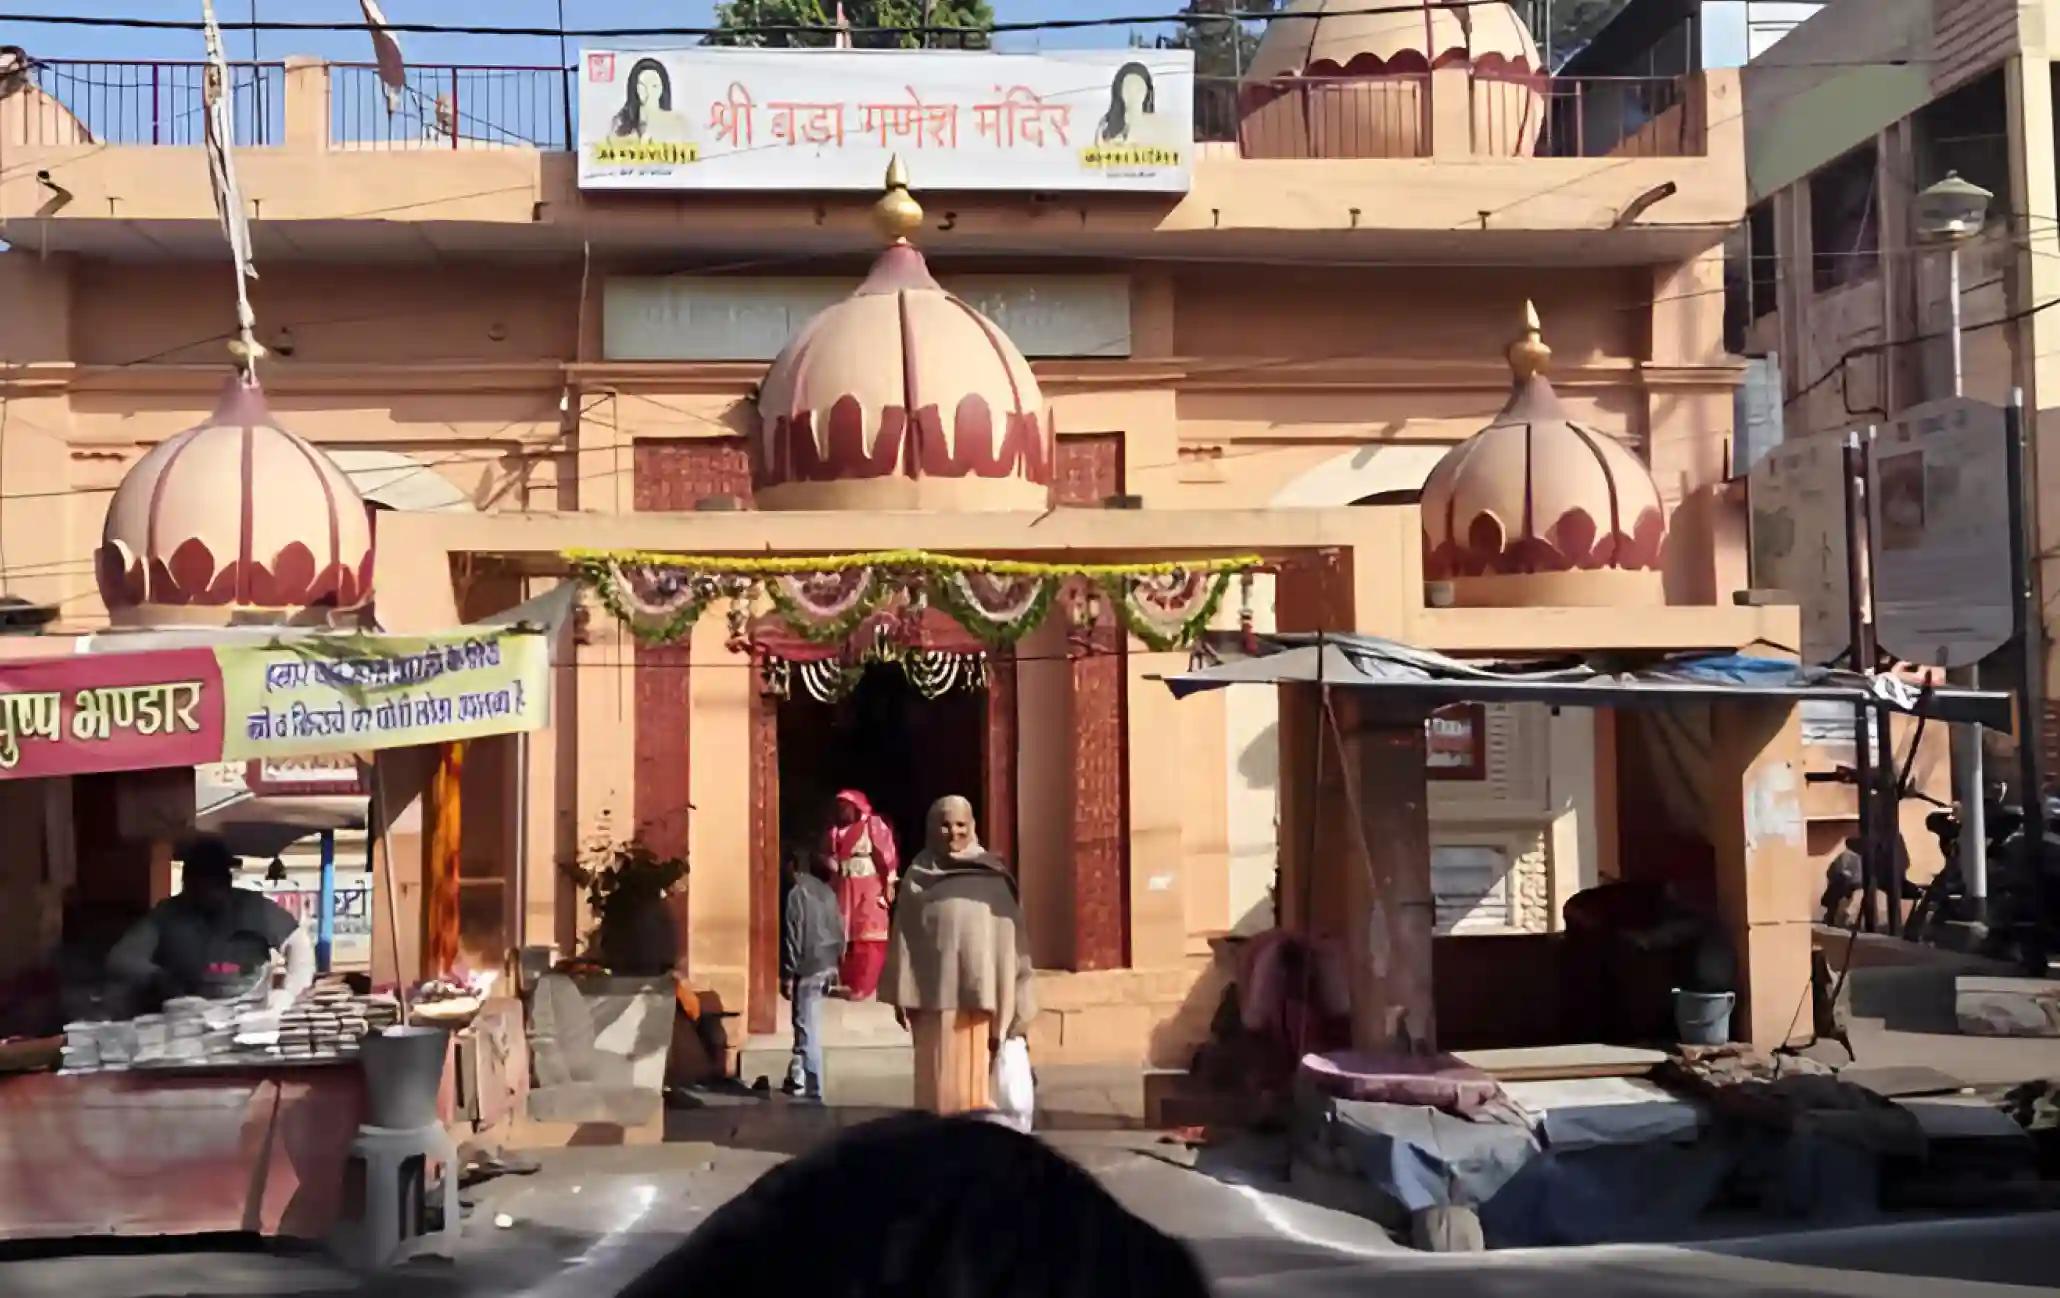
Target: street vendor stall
[[236, 1125], [1364, 701]]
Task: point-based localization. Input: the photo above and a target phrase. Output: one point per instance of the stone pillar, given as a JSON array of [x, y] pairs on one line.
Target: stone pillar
[[1765, 885], [1100, 802], [1387, 870], [675, 475], [1089, 471], [307, 103], [400, 778], [998, 775], [1451, 91]]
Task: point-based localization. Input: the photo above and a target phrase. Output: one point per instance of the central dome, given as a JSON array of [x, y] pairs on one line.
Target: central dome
[[902, 396], [1344, 79]]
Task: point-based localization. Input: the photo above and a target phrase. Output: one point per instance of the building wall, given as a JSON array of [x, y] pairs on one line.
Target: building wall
[[1861, 351], [1336, 327]]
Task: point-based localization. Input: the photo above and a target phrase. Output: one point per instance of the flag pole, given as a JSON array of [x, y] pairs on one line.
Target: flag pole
[[221, 137]]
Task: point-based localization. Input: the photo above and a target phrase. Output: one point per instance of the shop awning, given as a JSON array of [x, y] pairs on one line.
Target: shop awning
[[1431, 679]]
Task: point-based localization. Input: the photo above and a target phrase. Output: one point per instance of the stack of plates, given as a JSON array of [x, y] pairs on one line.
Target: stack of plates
[[82, 1046]]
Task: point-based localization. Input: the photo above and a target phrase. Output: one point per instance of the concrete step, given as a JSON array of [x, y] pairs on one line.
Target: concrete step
[[761, 1057], [862, 1044], [865, 1076], [844, 1023]]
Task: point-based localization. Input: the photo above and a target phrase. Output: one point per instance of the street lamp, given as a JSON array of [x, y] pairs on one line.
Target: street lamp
[[1950, 213]]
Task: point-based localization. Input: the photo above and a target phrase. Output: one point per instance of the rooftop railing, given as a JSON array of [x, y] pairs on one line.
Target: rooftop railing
[[119, 101], [450, 106], [1446, 113], [1317, 117], [1400, 115]]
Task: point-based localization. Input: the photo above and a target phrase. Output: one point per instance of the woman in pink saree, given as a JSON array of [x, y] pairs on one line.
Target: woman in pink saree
[[864, 866]]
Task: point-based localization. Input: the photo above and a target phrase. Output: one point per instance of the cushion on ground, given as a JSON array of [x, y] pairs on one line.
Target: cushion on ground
[[1439, 1081]]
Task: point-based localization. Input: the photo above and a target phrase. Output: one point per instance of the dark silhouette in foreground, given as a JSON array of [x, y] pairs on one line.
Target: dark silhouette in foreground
[[930, 1208]]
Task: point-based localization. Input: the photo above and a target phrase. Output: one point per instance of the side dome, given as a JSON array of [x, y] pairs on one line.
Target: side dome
[[902, 396], [1356, 83], [236, 520], [1536, 510]]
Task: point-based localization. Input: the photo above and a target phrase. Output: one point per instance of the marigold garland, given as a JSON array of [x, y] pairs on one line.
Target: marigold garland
[[919, 571], [1157, 636]]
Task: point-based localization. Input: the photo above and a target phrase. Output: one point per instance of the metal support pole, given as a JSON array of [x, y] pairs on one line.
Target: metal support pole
[[1888, 811], [2030, 677], [1953, 319], [1968, 779], [1887, 829], [325, 909], [1862, 651]]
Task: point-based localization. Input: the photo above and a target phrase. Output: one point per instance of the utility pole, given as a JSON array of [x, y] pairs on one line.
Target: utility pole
[[2030, 685], [1862, 650]]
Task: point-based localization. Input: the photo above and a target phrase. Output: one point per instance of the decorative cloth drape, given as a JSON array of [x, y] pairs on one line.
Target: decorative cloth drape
[[440, 864]]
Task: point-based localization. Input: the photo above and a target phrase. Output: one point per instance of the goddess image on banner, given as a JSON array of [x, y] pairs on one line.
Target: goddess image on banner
[[332, 696]]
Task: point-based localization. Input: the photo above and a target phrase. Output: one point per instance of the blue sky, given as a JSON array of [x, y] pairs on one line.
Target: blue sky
[[51, 41]]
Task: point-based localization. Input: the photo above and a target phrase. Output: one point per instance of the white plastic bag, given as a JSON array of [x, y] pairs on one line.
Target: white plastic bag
[[1015, 1097]]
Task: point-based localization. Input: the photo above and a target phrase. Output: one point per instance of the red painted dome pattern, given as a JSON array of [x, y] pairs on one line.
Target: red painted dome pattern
[[902, 380], [236, 516], [1535, 493], [1330, 38]]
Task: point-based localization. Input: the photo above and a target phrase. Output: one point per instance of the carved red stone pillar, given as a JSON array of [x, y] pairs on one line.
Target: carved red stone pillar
[[660, 764], [1089, 471], [998, 812], [1101, 810], [672, 476], [763, 752]]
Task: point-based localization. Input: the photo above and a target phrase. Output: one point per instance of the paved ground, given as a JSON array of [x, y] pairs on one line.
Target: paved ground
[[593, 1217], [1904, 1017]]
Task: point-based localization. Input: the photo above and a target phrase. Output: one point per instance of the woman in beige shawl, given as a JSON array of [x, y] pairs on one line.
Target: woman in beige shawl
[[958, 962]]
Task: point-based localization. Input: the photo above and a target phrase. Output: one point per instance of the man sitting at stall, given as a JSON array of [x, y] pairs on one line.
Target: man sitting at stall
[[213, 939]]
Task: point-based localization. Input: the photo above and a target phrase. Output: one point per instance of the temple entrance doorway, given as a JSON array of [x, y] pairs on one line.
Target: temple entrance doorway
[[883, 738]]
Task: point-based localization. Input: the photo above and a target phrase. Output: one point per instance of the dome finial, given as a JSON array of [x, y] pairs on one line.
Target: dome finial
[[897, 215], [1529, 355]]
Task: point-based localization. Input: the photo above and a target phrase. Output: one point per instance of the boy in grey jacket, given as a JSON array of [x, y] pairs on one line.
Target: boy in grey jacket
[[812, 942]]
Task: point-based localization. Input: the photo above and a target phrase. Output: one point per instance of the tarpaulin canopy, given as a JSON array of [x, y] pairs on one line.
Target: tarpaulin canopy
[[1432, 679]]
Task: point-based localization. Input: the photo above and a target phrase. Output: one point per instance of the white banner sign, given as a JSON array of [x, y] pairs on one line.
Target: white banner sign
[[1797, 494], [1939, 529], [741, 119]]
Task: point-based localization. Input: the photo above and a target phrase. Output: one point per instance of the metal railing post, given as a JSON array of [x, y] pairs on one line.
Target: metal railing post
[[568, 82]]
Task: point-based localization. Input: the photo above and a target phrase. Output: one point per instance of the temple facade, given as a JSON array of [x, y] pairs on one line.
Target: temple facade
[[932, 517]]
